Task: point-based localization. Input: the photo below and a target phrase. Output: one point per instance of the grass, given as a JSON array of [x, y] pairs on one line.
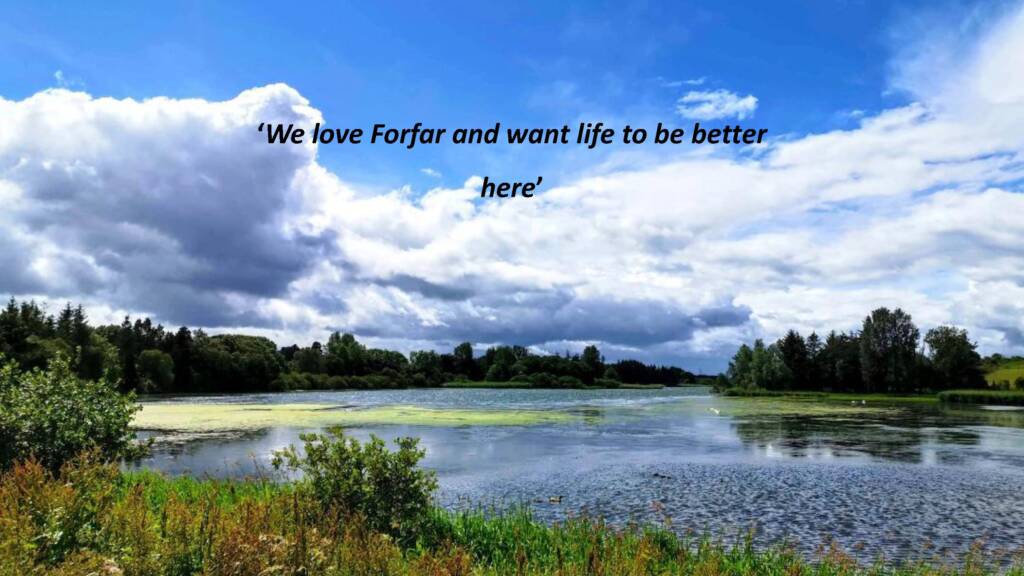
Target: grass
[[92, 519], [208, 417], [1008, 372], [626, 386], [796, 406], [999, 397], [832, 396]]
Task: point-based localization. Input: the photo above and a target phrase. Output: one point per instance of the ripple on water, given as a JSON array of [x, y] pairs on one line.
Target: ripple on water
[[900, 511]]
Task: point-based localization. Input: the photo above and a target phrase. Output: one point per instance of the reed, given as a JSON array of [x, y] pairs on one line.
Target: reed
[[90, 518]]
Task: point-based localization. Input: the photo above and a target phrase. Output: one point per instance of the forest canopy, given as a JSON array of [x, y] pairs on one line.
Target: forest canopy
[[147, 358], [886, 355]]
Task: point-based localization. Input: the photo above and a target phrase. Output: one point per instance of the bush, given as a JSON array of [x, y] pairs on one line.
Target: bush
[[570, 382], [607, 383], [52, 416], [386, 490]]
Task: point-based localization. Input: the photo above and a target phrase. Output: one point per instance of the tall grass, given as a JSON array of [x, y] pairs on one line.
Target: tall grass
[[1004, 397], [92, 519]]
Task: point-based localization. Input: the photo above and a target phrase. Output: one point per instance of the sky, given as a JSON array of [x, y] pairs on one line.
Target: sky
[[133, 180]]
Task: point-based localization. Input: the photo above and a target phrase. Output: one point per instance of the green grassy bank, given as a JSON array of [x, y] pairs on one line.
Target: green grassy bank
[[1006, 374], [93, 519], [998, 397], [971, 396], [831, 396]]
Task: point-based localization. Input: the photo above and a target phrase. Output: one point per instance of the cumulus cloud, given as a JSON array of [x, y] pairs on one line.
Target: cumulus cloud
[[714, 104], [154, 203], [174, 208]]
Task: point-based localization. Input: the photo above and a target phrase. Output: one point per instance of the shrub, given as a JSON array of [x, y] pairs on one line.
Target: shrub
[[544, 380], [386, 490], [570, 382], [607, 383], [52, 416]]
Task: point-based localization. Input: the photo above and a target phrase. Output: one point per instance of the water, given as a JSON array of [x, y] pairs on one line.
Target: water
[[906, 480]]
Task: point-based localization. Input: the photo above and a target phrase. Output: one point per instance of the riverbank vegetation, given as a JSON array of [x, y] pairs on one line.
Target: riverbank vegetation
[[51, 415], [353, 509], [887, 355], [998, 397], [144, 357], [360, 509]]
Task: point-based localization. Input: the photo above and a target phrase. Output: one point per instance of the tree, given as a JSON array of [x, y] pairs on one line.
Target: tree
[[156, 371], [793, 348], [427, 365], [504, 358], [839, 360], [463, 360], [954, 357], [816, 371], [181, 353], [759, 367], [53, 416], [888, 351], [592, 362], [127, 345]]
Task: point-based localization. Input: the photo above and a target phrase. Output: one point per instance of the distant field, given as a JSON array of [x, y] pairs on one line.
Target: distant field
[[1009, 371]]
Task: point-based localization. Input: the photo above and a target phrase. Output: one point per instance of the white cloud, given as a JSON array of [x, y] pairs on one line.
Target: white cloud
[[175, 208], [714, 104], [430, 172]]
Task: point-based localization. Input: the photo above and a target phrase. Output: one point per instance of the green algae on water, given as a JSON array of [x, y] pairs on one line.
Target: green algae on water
[[203, 417]]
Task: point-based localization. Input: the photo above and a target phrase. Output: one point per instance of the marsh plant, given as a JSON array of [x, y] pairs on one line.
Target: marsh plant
[[387, 491], [360, 509], [52, 415]]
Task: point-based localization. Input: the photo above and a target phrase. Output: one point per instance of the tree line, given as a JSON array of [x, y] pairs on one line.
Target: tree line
[[886, 355], [143, 356]]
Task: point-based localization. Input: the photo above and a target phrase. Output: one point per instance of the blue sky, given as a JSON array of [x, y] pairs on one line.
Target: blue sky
[[134, 180], [468, 64]]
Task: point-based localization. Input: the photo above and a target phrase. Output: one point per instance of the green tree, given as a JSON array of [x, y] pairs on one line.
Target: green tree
[[156, 371], [426, 364], [127, 344], [759, 367], [610, 373], [53, 416], [464, 362], [794, 352], [181, 353], [501, 366], [888, 351], [593, 362], [954, 357]]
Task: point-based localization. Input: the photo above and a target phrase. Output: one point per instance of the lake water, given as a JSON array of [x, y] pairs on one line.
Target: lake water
[[904, 480]]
